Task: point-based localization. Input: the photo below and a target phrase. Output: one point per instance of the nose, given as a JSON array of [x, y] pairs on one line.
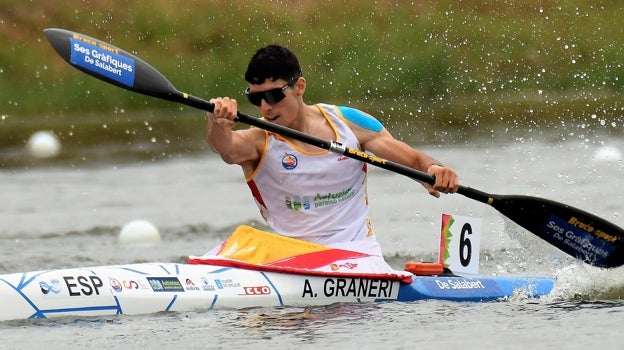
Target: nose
[[264, 106]]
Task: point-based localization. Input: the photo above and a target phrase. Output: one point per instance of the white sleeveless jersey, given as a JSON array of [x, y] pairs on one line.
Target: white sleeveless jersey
[[318, 196]]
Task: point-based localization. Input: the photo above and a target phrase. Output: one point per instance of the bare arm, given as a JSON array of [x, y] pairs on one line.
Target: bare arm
[[384, 145], [241, 147]]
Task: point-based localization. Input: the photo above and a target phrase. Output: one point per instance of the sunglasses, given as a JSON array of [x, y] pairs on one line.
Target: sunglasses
[[272, 96]]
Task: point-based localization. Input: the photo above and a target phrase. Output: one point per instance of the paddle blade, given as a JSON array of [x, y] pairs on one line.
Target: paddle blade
[[110, 64], [574, 231]]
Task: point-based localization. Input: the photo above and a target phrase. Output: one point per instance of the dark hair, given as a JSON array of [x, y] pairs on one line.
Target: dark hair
[[272, 62]]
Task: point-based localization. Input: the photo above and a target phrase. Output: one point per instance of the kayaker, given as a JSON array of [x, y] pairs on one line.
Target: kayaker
[[303, 191]]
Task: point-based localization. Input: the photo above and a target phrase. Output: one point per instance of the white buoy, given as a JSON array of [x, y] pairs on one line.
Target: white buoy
[[607, 154], [43, 144], [139, 231]]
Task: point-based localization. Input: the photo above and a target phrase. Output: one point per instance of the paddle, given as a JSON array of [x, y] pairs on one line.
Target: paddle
[[574, 231]]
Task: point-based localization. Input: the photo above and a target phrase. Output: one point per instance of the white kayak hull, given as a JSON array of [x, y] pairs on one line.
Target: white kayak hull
[[155, 287]]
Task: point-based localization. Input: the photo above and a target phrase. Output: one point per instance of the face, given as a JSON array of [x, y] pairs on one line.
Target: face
[[276, 99]]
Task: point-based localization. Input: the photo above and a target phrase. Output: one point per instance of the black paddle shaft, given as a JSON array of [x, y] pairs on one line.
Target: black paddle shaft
[[574, 231]]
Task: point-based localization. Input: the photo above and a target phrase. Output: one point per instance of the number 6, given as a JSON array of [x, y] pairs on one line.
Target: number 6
[[465, 247]]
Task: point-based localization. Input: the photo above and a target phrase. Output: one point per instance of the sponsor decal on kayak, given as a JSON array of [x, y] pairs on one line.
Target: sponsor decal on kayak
[[347, 265], [227, 284], [207, 285], [126, 284], [190, 285], [131, 284], [102, 60], [114, 283], [165, 284], [50, 286], [83, 285], [350, 287], [461, 286], [260, 290]]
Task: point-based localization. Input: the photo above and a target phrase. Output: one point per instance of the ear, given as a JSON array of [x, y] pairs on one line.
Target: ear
[[300, 86]]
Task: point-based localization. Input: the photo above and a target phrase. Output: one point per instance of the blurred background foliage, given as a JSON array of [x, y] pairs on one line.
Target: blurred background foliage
[[416, 65]]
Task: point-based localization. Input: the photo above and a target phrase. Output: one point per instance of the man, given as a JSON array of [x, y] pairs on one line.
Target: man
[[303, 191]]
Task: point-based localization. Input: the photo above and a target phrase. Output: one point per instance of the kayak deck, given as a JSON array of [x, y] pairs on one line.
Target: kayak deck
[[154, 287]]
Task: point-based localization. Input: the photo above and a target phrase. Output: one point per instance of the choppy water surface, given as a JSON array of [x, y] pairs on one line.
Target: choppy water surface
[[68, 213]]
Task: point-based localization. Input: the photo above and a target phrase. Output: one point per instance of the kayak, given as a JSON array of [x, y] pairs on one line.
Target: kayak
[[155, 287], [251, 268]]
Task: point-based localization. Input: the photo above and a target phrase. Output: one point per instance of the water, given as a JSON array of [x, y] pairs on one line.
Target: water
[[68, 214]]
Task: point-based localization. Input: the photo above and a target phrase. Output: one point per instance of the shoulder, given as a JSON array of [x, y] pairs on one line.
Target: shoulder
[[359, 118], [256, 135], [252, 133], [250, 143], [257, 138]]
